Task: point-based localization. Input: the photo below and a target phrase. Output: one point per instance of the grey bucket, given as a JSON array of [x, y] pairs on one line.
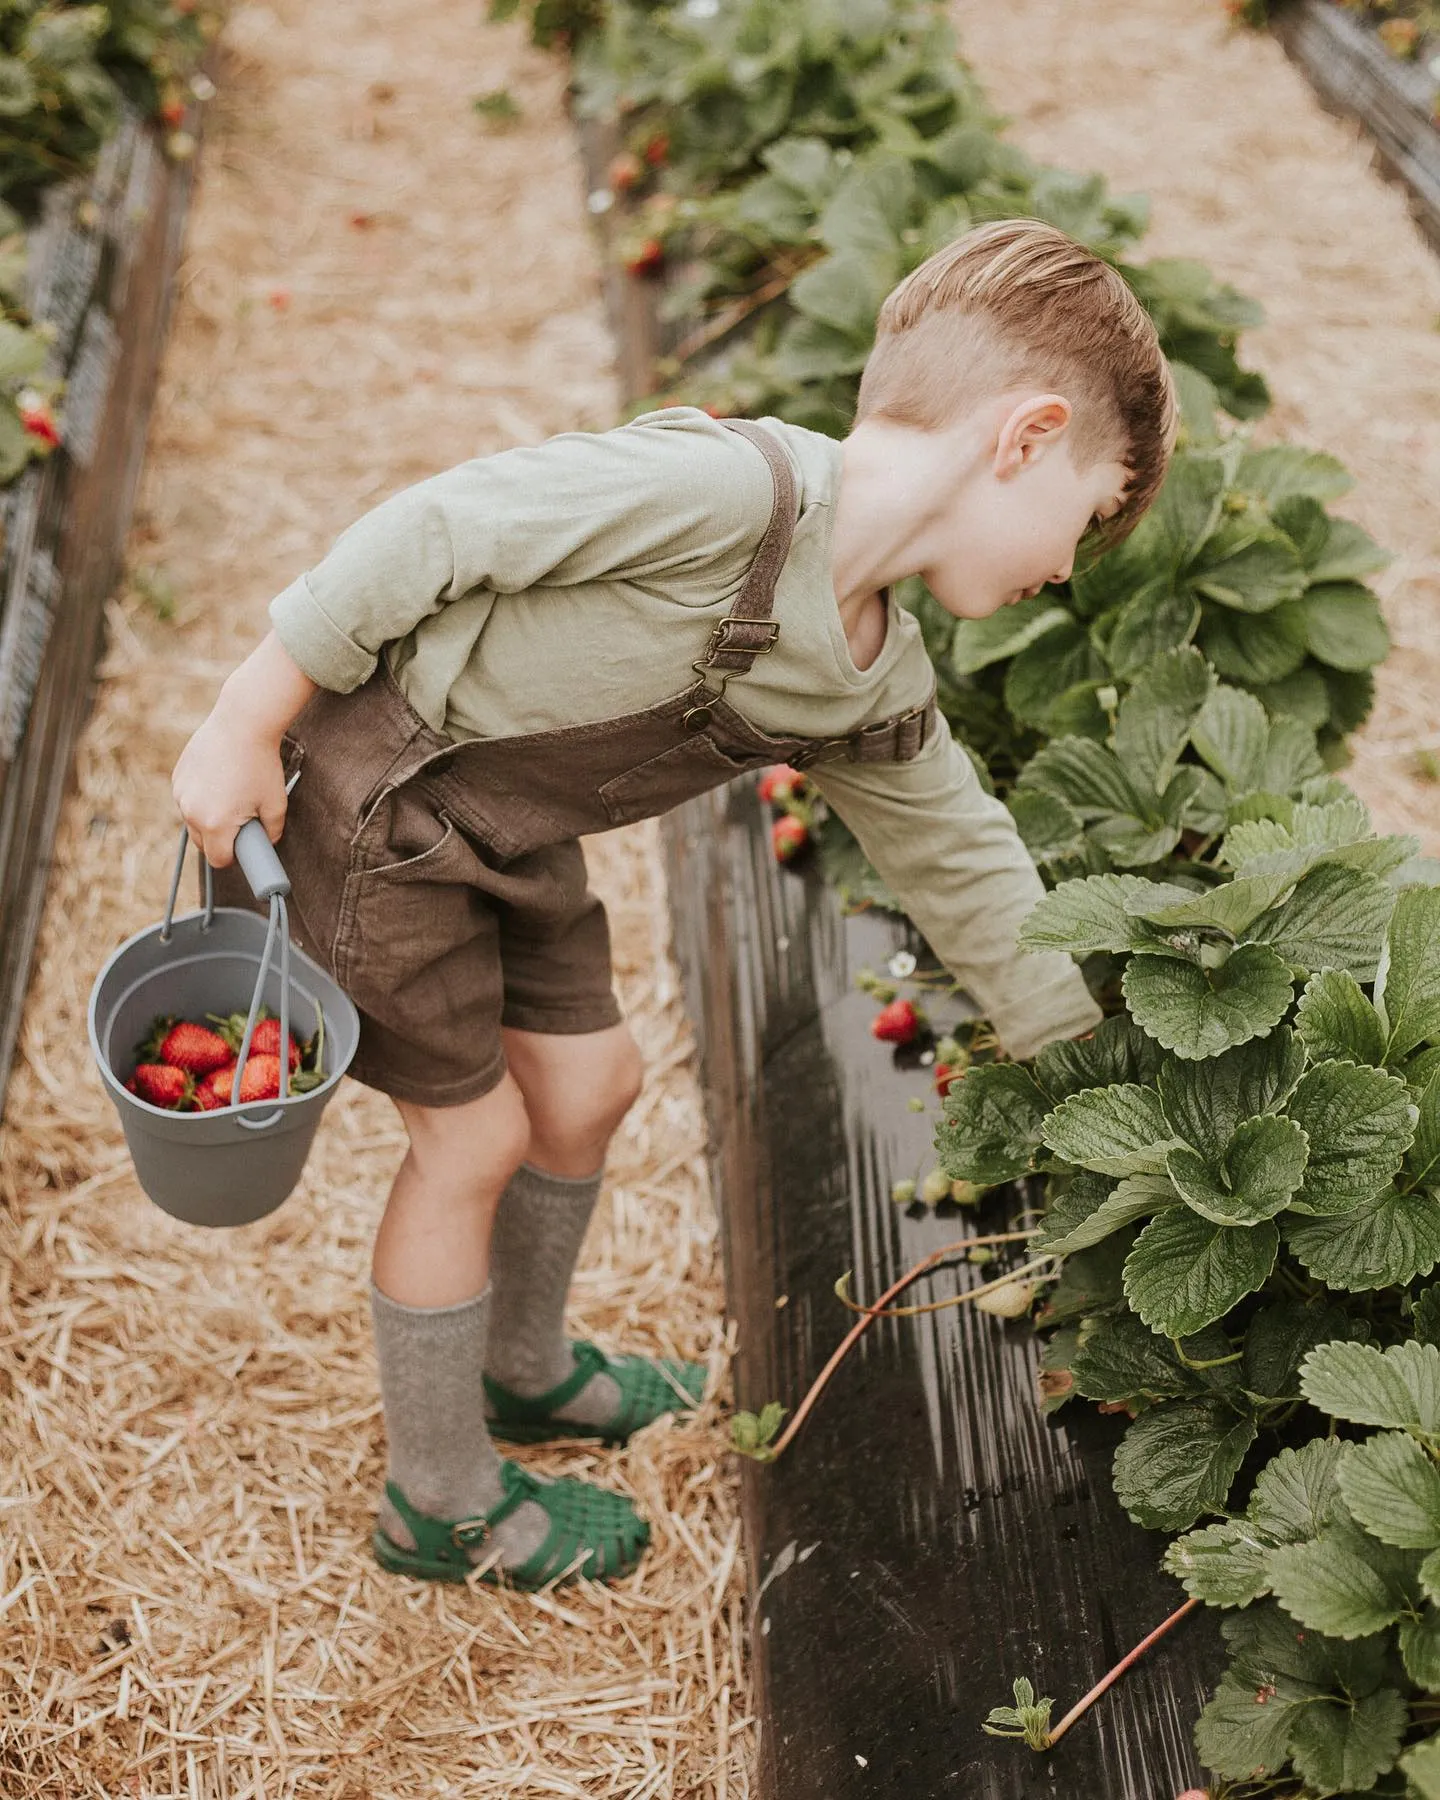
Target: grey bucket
[[236, 1165]]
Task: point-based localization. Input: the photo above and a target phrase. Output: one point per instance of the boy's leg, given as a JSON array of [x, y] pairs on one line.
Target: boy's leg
[[431, 1306], [577, 1088]]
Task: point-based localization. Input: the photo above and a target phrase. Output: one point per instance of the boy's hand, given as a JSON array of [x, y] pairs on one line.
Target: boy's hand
[[230, 771]]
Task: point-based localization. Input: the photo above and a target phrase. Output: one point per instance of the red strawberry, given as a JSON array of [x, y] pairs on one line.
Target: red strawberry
[[788, 837], [161, 1085], [946, 1075], [173, 113], [194, 1048], [649, 259], [777, 784], [261, 1081], [213, 1092], [897, 1023], [657, 151], [625, 171], [37, 418], [266, 1042]]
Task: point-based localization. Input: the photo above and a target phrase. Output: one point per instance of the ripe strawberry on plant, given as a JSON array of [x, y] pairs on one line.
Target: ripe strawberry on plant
[[657, 151], [647, 259], [788, 837], [161, 1085], [624, 171], [37, 417], [897, 1023], [780, 783]]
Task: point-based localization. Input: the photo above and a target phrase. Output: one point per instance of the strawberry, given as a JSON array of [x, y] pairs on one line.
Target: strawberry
[[788, 837], [261, 1081], [213, 1092], [266, 1041], [36, 417], [173, 113], [779, 783], [194, 1048], [161, 1085], [897, 1023], [657, 151], [648, 259], [625, 171]]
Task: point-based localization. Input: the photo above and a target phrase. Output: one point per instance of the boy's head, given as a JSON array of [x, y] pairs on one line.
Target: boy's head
[[1047, 405]]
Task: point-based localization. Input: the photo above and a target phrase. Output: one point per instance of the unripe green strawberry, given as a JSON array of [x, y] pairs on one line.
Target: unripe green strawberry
[[1012, 1301], [902, 1192], [935, 1187], [965, 1193]]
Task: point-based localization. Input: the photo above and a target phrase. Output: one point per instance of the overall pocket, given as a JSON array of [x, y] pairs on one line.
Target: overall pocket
[[672, 777]]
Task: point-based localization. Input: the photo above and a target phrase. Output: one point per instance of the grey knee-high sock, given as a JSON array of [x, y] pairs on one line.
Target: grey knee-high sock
[[539, 1228], [441, 1456]]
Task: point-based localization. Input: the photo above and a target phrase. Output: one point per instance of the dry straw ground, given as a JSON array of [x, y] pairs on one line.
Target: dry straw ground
[[1247, 173], [375, 287]]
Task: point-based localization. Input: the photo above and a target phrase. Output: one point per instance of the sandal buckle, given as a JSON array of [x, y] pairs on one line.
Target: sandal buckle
[[465, 1534]]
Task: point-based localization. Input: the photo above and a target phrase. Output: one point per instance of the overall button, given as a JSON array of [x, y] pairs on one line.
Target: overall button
[[697, 718]]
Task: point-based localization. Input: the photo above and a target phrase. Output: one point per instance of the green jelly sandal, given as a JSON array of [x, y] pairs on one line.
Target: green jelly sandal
[[592, 1520], [647, 1389]]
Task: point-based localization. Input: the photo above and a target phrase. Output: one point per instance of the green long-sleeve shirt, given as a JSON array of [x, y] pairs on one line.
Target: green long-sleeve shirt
[[578, 580]]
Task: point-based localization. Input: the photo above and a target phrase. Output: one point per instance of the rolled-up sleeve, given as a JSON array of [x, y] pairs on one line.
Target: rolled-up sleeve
[[950, 854]]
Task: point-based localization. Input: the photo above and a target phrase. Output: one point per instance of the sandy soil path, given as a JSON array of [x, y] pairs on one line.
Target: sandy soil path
[[1248, 173], [375, 287]]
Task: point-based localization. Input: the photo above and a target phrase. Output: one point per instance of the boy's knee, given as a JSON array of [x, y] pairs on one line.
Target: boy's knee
[[485, 1139]]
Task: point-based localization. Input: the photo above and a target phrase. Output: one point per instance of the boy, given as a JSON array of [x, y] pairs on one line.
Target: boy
[[553, 641]]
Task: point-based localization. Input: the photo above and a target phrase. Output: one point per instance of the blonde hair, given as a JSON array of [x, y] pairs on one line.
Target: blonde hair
[[1018, 301]]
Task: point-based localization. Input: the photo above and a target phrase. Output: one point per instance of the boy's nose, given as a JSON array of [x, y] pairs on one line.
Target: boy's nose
[[1063, 574]]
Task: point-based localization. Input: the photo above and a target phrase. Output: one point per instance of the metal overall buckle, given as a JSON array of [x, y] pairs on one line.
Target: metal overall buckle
[[697, 717]]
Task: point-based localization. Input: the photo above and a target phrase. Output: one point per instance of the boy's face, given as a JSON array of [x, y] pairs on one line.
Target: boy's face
[[1020, 507]]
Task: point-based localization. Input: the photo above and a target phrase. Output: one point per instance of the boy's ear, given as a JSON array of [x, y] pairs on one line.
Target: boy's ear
[[1030, 428]]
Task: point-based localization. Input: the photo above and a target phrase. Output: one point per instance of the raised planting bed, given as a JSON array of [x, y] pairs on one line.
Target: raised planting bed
[[931, 1536], [1393, 99], [101, 271]]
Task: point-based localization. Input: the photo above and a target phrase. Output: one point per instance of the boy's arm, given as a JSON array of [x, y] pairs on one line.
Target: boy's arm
[[950, 854], [646, 499]]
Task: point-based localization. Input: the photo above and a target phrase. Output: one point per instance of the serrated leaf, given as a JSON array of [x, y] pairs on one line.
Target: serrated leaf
[[1358, 1122], [1155, 620], [1179, 1461], [1421, 1764], [1231, 734], [1243, 1733], [1118, 1130], [1205, 1101], [1199, 1012], [1329, 1587], [1348, 553], [1344, 626], [1280, 470], [979, 642], [1335, 919], [1085, 774], [1116, 1051], [1121, 1360], [1184, 1272], [1049, 828], [1256, 648], [1397, 1389], [1262, 1167], [1422, 1160], [1425, 1321], [1292, 758], [1080, 1219], [1420, 1648], [1248, 568], [991, 1125], [1279, 1338], [1343, 1747], [1336, 1020], [1084, 916], [1133, 843], [1384, 1242], [1266, 1649], [1188, 505], [1153, 724], [1430, 1577], [1297, 1493], [1249, 840], [1042, 681], [1393, 1489], [1407, 987], [1091, 1281], [1231, 907], [1223, 1565]]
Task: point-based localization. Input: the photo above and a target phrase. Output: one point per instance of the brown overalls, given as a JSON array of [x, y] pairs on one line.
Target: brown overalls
[[443, 884]]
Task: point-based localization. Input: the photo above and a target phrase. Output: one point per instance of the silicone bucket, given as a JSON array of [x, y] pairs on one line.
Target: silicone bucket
[[235, 1165]]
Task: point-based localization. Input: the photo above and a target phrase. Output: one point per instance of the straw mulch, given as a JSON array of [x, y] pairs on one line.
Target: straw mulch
[[1249, 174], [375, 288]]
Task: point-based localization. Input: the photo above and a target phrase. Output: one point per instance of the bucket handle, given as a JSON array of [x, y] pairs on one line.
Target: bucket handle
[[266, 875]]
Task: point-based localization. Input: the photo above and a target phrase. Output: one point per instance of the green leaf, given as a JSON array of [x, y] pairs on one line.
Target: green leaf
[[1223, 1565], [1279, 1338], [1157, 619], [1336, 1020], [1291, 757], [1384, 1242], [1254, 648], [1116, 1051], [1084, 916], [1425, 1322], [1421, 1764], [1178, 1461], [1267, 1651], [1117, 1130], [991, 1125], [1085, 774], [1430, 1576], [1153, 724], [1262, 1167], [1393, 1488], [1199, 1012], [1344, 626], [1329, 1586], [1049, 829], [1081, 1218], [1121, 1360], [1297, 1493], [1335, 919], [1205, 1101], [1398, 1388], [1188, 505], [844, 292], [1231, 907], [1184, 1272], [1231, 734], [979, 642], [1249, 569], [1358, 1122], [1280, 470], [1045, 683], [1407, 986], [871, 207], [1420, 1648], [1091, 1281], [1244, 1732], [1348, 553], [1343, 1747], [1422, 1160]]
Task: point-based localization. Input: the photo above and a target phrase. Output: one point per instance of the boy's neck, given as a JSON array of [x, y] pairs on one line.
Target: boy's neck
[[872, 540]]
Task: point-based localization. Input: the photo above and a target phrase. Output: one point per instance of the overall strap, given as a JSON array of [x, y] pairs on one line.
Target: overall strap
[[749, 631]]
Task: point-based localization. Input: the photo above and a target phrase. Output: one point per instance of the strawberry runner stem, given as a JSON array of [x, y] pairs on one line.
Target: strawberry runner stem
[[817, 1387], [1083, 1705]]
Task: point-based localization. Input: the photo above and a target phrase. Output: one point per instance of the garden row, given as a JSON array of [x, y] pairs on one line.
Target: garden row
[[97, 109], [1241, 1167]]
